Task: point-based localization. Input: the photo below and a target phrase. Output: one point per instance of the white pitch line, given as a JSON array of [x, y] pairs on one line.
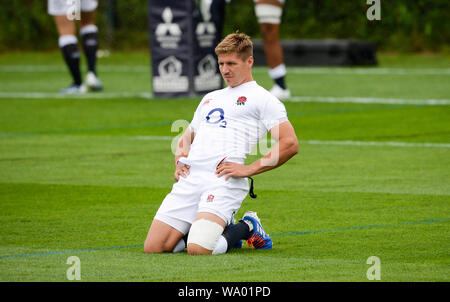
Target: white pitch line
[[148, 95], [56, 95], [367, 100], [382, 144], [257, 69], [325, 142], [62, 68], [153, 137], [369, 71]]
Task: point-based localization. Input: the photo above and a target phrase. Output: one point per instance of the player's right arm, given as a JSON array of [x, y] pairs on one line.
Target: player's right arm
[[183, 147], [186, 139]]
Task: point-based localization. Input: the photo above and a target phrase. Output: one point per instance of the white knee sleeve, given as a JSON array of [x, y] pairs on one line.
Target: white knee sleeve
[[266, 13], [205, 233]]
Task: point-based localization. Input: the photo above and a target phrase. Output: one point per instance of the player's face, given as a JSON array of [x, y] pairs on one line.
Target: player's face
[[234, 70]]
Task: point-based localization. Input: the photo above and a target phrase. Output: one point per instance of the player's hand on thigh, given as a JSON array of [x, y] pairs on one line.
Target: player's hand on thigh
[[232, 170], [181, 170]]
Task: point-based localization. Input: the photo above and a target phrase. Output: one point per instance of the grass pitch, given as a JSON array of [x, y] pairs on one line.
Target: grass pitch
[[83, 176]]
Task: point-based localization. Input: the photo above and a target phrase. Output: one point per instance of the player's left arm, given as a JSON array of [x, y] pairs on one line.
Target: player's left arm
[[183, 148], [285, 148]]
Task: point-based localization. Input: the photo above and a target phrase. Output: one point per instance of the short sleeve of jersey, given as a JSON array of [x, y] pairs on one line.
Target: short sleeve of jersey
[[195, 123], [274, 113], [193, 126]]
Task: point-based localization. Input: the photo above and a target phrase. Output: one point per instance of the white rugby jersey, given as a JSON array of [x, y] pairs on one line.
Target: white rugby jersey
[[229, 122]]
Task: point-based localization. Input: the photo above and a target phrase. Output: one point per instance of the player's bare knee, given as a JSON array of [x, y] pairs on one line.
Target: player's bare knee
[[87, 18], [155, 247], [268, 31], [150, 248], [195, 249]]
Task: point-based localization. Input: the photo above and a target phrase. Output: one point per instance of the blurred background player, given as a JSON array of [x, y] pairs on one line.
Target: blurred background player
[[268, 13], [64, 13]]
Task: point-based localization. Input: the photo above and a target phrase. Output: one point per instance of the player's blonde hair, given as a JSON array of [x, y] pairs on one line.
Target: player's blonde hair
[[236, 43]]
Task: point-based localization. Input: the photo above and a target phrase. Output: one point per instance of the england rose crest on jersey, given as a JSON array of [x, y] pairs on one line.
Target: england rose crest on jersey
[[241, 100], [210, 198]]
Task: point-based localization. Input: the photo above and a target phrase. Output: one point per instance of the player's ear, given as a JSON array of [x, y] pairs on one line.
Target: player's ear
[[250, 61]]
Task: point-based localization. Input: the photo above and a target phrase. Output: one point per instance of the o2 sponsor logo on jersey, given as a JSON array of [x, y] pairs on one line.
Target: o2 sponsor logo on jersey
[[216, 116]]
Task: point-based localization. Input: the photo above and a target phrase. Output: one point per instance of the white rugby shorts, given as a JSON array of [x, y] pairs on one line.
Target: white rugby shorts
[[202, 191], [268, 13], [62, 7]]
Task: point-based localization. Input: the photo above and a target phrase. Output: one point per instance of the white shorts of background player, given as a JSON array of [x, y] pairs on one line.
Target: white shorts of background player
[[62, 7], [269, 11]]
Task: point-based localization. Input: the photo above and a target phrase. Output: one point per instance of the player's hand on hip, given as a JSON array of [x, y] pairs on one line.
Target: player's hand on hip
[[232, 170], [181, 170]]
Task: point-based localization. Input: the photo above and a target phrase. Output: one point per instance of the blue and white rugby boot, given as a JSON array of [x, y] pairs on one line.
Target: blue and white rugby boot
[[259, 239]]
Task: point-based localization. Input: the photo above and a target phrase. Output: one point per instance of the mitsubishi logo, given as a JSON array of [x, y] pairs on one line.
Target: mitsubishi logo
[[168, 34]]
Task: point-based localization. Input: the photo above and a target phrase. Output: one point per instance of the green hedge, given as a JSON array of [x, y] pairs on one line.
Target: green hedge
[[405, 25]]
